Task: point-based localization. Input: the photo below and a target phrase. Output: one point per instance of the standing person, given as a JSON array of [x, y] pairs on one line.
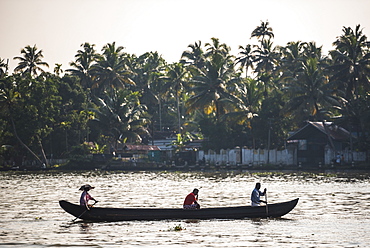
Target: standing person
[[255, 197], [190, 201], [85, 196], [337, 161]]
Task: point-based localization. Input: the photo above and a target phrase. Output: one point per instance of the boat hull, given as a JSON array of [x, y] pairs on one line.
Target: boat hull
[[127, 214]]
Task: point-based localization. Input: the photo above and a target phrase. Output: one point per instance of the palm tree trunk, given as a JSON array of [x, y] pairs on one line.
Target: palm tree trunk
[[160, 114], [21, 142], [178, 112], [43, 152], [350, 143]]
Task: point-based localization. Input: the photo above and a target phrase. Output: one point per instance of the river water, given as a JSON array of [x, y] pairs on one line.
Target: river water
[[333, 210]]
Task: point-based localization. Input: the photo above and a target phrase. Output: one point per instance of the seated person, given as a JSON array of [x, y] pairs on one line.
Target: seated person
[[86, 197], [190, 201], [255, 196]]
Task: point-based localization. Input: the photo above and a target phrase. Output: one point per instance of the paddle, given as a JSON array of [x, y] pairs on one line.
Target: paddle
[[84, 212], [198, 191], [267, 209]]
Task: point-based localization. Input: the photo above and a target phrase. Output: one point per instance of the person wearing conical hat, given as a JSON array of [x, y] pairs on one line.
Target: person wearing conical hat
[[85, 196]]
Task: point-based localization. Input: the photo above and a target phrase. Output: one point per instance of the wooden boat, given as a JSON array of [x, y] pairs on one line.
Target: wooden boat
[[126, 214]]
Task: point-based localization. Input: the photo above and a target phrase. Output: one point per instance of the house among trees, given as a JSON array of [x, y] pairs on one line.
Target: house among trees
[[320, 143], [140, 152]]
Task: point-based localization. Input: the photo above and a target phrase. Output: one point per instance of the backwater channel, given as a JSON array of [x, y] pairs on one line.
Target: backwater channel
[[333, 210]]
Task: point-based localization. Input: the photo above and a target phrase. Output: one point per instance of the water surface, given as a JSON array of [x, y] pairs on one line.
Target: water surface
[[333, 210]]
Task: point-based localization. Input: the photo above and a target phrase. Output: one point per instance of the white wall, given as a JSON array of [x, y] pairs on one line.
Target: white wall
[[273, 157]]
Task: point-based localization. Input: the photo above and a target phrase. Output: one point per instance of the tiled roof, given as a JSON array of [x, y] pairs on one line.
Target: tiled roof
[[335, 132]]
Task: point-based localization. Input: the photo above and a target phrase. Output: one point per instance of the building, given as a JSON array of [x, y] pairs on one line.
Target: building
[[313, 141]]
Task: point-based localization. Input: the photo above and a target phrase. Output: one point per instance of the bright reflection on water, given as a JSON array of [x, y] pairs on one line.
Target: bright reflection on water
[[333, 210]]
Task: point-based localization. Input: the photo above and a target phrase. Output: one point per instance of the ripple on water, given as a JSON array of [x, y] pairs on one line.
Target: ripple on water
[[332, 212]]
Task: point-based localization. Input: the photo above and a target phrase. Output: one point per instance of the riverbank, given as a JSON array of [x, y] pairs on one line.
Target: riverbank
[[360, 169]]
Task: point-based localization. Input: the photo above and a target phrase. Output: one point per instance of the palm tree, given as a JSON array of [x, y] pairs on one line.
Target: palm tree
[[294, 55], [246, 58], [31, 61], [351, 62], [85, 59], [195, 56], [121, 117], [176, 75], [110, 72], [148, 73], [292, 59], [311, 50], [262, 31], [267, 57], [211, 87], [3, 67], [250, 93], [349, 71], [146, 70], [58, 69], [216, 48], [309, 93]]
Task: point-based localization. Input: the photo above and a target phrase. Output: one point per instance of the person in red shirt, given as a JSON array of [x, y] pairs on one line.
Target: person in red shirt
[[190, 201], [85, 196]]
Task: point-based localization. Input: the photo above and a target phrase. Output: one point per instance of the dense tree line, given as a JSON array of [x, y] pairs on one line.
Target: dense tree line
[[254, 99]]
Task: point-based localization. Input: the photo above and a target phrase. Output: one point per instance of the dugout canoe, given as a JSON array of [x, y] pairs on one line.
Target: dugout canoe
[[127, 214]]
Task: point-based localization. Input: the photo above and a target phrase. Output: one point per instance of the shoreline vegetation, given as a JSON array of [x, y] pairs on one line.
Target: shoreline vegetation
[[109, 98]]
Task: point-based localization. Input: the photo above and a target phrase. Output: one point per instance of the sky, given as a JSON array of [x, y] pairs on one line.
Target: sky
[[59, 27]]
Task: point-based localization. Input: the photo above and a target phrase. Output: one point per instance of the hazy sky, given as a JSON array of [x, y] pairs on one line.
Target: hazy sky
[[59, 27]]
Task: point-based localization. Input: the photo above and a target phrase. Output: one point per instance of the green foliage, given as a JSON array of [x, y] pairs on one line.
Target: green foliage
[[31, 61], [95, 148], [177, 228], [120, 117], [219, 135], [182, 140], [113, 97]]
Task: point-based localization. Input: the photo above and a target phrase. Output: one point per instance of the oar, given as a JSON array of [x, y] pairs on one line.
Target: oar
[[84, 212], [267, 209], [198, 190]]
